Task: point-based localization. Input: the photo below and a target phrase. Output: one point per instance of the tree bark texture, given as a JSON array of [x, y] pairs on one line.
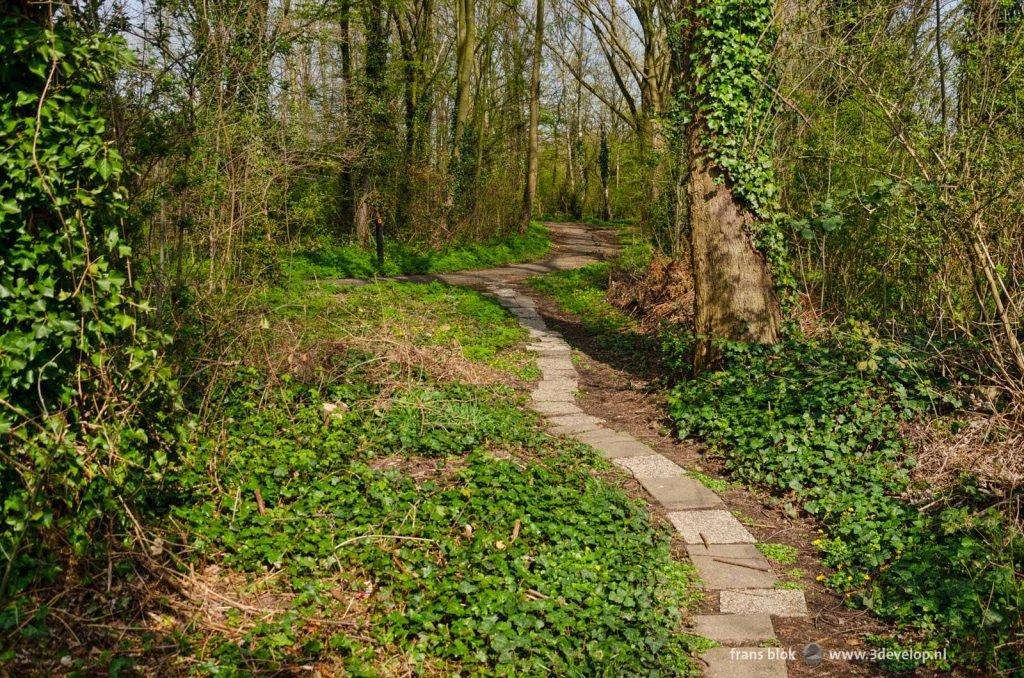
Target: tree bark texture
[[734, 296]]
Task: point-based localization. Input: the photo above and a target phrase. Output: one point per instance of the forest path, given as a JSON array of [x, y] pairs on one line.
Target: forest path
[[573, 246], [740, 585]]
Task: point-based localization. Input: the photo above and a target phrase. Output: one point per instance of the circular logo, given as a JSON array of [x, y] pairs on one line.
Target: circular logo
[[813, 654]]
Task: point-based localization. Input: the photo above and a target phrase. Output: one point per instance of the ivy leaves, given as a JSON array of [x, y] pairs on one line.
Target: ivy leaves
[[818, 424], [80, 443], [731, 96]]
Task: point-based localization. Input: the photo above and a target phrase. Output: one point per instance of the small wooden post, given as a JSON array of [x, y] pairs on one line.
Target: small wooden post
[[378, 235]]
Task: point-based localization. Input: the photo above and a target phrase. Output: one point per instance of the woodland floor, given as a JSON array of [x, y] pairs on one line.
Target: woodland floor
[[623, 387]]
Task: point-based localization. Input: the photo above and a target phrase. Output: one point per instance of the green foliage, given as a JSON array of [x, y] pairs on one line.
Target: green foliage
[[713, 484], [583, 293], [85, 406], [780, 553], [525, 565], [817, 423], [352, 261], [732, 101]]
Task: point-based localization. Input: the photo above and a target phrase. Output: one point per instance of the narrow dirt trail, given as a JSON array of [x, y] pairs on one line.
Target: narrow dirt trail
[[761, 625]]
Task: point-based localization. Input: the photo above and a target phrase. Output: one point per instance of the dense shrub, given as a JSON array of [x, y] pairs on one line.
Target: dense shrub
[[84, 401]]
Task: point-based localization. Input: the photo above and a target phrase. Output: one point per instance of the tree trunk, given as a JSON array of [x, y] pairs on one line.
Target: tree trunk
[[533, 151], [349, 186], [734, 296], [465, 55], [603, 161]]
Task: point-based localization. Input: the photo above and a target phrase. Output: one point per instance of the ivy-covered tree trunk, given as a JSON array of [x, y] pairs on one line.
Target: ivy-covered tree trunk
[[725, 56], [734, 295]]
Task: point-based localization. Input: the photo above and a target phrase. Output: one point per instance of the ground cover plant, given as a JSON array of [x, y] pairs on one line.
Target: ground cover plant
[[816, 422], [376, 500], [583, 292], [402, 258]]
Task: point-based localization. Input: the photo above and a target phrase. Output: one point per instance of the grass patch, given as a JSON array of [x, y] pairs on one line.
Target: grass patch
[[353, 261], [713, 484], [789, 586], [780, 553], [582, 292], [621, 224], [817, 424]]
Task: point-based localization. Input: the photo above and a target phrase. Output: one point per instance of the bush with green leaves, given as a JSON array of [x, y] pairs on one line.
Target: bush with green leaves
[[817, 424], [84, 401]]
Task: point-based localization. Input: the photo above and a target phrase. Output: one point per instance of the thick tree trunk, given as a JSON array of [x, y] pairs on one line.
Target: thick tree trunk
[[533, 151], [734, 296]]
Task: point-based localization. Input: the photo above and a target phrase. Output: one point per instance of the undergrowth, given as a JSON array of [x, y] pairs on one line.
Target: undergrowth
[[366, 495], [583, 291], [816, 423], [403, 258], [526, 562]]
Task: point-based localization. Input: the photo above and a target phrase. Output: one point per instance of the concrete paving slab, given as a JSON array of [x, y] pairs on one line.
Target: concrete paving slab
[[731, 566], [605, 436], [681, 494], [615, 445], [776, 602], [717, 527], [570, 419], [555, 365], [652, 466], [745, 662], [552, 409], [735, 629], [558, 395]]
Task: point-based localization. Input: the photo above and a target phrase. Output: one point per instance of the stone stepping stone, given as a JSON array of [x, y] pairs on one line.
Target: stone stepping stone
[[547, 365], [717, 527], [571, 424], [745, 662], [614, 445], [652, 466], [551, 350], [735, 629], [731, 566], [554, 393], [681, 494], [534, 322], [776, 602], [554, 409], [573, 419]]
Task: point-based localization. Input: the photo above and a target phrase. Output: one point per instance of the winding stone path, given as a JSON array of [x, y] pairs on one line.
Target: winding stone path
[[721, 549], [734, 572]]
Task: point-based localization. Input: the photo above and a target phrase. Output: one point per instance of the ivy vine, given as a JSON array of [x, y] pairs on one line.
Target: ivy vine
[[731, 97], [85, 401]]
